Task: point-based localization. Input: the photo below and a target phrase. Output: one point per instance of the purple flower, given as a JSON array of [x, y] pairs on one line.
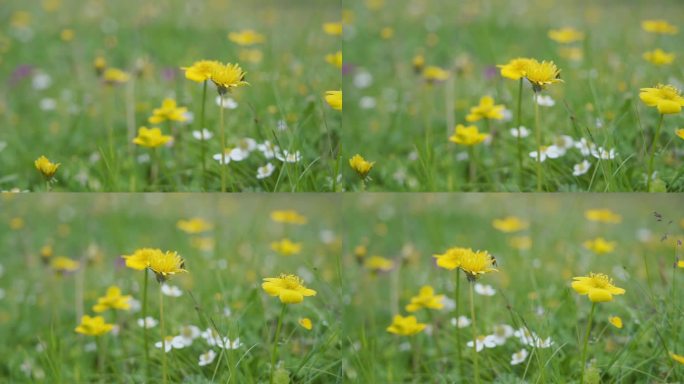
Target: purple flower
[[21, 72], [491, 72], [169, 73]]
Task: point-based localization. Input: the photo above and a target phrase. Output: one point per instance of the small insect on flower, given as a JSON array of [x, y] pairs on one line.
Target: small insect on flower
[[194, 226], [246, 37], [227, 76], [486, 110], [306, 323], [361, 166], [46, 167], [200, 71], [113, 300], [166, 264], [468, 136], [616, 321], [425, 299], [515, 69], [151, 138], [666, 98], [510, 224], [334, 99], [405, 326], [597, 286], [290, 289], [93, 326]]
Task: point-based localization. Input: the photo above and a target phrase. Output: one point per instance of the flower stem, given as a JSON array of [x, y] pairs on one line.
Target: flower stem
[[472, 165], [145, 336], [472, 314], [652, 155], [586, 341], [537, 128], [415, 358], [203, 142], [519, 139], [223, 148], [458, 329], [100, 357], [274, 351], [163, 340], [438, 346]]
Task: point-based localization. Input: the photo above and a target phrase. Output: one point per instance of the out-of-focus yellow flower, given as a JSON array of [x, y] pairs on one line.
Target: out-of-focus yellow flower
[[63, 264], [228, 76], [603, 216], [113, 300], [405, 326], [335, 59], [16, 223], [286, 247], [151, 138], [67, 35], [664, 97], [468, 136], [375, 5], [100, 64], [288, 217], [251, 55], [566, 35], [425, 299], [204, 244], [290, 289], [93, 326], [140, 259], [334, 99], [418, 63], [113, 76], [659, 57], [451, 259], [521, 243], [485, 110], [246, 37], [541, 74], [200, 71], [21, 19], [661, 27], [46, 167], [516, 68], [616, 321], [194, 226], [680, 133], [677, 358], [597, 286], [387, 33], [333, 29], [571, 53], [377, 264], [51, 5], [306, 323], [433, 74], [361, 166], [166, 264], [169, 111], [510, 224], [600, 246]]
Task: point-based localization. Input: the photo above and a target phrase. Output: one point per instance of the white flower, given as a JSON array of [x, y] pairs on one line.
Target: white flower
[[531, 339], [519, 357], [227, 312], [507, 115], [238, 154], [521, 132], [268, 149], [187, 335], [585, 146], [482, 342], [551, 152], [603, 154], [484, 290], [563, 143], [501, 333], [449, 304], [581, 168], [462, 322], [134, 305], [545, 101], [288, 157], [189, 117], [148, 322], [220, 157], [41, 81], [247, 144], [168, 344], [171, 290], [204, 134], [281, 125], [363, 79], [367, 102], [228, 102], [207, 358], [48, 104], [265, 171]]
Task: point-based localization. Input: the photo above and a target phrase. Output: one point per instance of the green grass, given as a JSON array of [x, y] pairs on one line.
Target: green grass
[[406, 130], [152, 40]]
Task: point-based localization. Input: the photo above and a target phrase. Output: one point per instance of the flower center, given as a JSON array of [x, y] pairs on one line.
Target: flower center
[[600, 280]]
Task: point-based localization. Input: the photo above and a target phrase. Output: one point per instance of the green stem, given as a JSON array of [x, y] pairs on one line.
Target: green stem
[[203, 142], [415, 357], [274, 351], [435, 336], [519, 139], [100, 357], [537, 128], [47, 185], [472, 314], [223, 148], [472, 165], [145, 332], [459, 359], [586, 341], [652, 155], [163, 340]]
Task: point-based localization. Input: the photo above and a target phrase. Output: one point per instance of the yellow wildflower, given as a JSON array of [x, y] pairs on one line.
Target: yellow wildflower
[[510, 224], [664, 97], [113, 300], [451, 259], [334, 99], [418, 63], [405, 326], [541, 74], [306, 323], [661, 27], [140, 259], [333, 29], [194, 226], [468, 136], [485, 110], [166, 264], [286, 247], [433, 74], [288, 217], [600, 246], [169, 111], [246, 37], [335, 59], [515, 69], [477, 263], [100, 64], [680, 133], [521, 243], [603, 216], [112, 76], [659, 57], [598, 286], [151, 138], [62, 264], [427, 299], [616, 321], [360, 165], [46, 167], [566, 35], [200, 71], [93, 326], [290, 289], [677, 358], [377, 264], [227, 76]]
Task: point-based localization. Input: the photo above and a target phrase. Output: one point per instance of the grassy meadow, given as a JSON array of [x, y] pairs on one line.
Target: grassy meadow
[[80, 78], [414, 69], [226, 258], [389, 243]]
